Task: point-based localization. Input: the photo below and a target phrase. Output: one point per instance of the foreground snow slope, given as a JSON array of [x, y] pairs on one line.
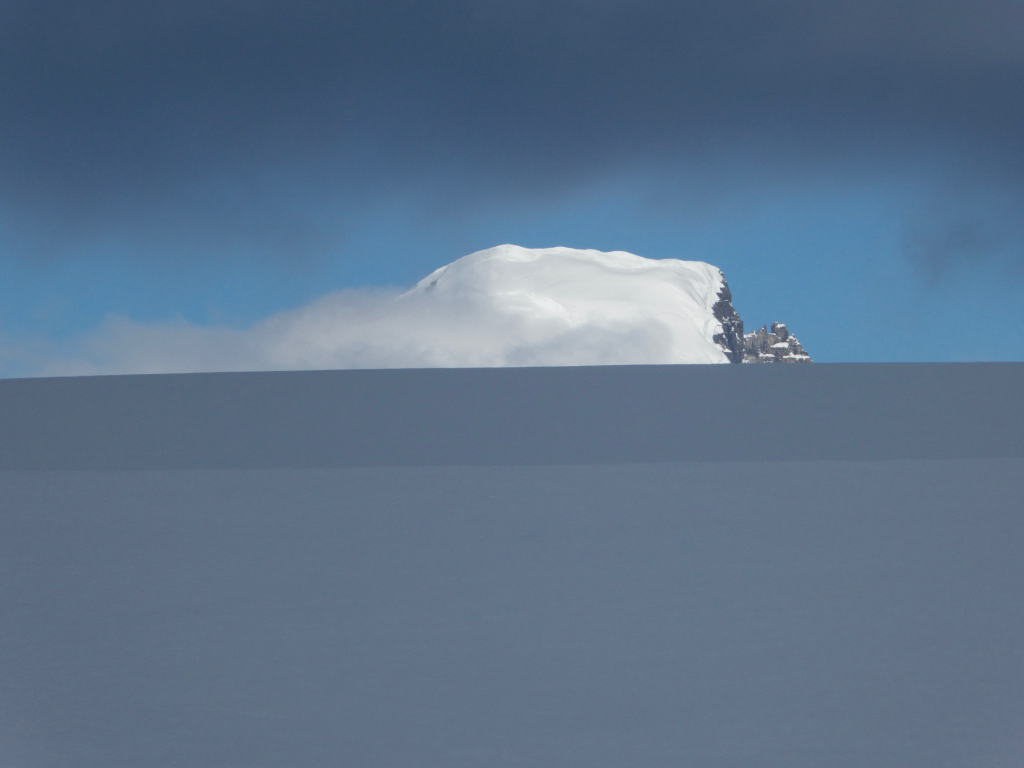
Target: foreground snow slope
[[570, 306]]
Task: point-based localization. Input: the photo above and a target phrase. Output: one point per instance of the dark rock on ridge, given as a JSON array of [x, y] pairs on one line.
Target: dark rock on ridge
[[763, 346], [731, 337]]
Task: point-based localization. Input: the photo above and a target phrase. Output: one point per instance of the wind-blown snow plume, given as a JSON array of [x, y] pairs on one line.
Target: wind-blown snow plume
[[505, 306]]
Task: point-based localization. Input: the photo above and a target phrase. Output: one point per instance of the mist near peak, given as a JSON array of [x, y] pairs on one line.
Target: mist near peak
[[504, 306]]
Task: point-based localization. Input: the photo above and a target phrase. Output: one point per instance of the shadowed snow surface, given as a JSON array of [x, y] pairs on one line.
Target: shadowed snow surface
[[650, 566]]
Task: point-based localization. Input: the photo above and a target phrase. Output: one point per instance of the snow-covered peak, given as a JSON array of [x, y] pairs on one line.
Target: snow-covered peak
[[506, 306], [620, 307]]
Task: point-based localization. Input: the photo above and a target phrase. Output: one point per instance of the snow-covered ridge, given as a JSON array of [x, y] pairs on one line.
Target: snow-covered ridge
[[573, 306], [502, 307], [618, 306]]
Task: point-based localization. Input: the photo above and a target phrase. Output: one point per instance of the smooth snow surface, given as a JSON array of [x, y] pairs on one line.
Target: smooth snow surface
[[579, 307], [573, 567]]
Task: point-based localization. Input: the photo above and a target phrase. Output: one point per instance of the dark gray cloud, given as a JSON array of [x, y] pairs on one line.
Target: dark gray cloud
[[223, 123]]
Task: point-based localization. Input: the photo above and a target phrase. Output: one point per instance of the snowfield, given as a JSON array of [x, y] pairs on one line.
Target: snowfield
[[577, 307]]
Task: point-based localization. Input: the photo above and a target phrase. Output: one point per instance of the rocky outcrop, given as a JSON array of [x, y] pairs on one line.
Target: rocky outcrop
[[731, 337], [777, 345]]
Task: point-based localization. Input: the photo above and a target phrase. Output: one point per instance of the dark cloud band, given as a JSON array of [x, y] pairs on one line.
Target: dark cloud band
[[207, 117]]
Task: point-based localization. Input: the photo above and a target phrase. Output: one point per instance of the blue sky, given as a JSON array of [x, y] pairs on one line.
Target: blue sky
[[828, 259], [858, 176]]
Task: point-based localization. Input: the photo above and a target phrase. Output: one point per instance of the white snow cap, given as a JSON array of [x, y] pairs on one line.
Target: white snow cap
[[505, 306], [569, 306]]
